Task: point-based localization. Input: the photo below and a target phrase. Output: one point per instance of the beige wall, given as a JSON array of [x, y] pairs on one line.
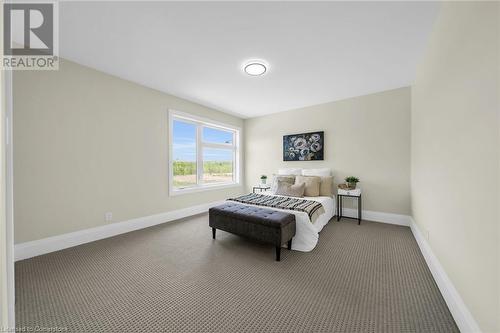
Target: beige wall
[[5, 245], [87, 143], [455, 153], [3, 220], [3, 225], [367, 136]]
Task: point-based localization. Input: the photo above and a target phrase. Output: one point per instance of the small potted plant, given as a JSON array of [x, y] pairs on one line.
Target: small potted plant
[[351, 182], [263, 179]]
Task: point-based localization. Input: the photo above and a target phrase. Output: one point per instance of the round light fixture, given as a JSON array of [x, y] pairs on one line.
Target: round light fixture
[[255, 68]]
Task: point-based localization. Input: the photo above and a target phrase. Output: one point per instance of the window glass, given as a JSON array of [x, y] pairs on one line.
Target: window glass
[[184, 154], [202, 155], [217, 165], [215, 135]]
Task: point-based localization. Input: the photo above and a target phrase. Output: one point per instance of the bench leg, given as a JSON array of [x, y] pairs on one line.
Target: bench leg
[[213, 233], [278, 253], [290, 244]]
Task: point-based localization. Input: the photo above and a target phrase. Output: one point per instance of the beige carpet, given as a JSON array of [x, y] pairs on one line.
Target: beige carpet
[[175, 278]]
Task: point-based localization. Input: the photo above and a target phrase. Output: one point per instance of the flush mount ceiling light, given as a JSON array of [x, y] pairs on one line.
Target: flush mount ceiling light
[[255, 67]]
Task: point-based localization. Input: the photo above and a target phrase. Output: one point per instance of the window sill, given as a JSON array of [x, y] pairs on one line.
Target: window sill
[[197, 189]]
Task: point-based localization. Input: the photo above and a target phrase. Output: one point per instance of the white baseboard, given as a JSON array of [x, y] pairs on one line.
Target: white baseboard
[[458, 309], [379, 216], [56, 243]]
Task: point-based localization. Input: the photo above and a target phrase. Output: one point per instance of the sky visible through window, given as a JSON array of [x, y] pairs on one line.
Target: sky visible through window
[[184, 143]]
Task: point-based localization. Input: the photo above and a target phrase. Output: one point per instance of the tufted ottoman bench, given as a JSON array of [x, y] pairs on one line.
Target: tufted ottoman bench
[[261, 224]]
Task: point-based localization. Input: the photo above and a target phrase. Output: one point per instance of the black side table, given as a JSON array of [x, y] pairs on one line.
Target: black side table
[[340, 202]]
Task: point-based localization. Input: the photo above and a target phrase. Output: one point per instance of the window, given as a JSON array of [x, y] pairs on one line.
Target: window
[[203, 154]]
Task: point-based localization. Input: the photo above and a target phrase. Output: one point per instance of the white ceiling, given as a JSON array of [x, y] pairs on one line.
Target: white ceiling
[[318, 51]]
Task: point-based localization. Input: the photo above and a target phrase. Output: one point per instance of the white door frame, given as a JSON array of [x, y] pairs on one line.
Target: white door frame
[[9, 198]]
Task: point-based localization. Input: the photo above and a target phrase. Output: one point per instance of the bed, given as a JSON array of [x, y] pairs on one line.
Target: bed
[[307, 233]]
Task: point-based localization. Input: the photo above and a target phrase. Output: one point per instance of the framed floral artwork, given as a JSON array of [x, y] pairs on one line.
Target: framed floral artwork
[[303, 147]]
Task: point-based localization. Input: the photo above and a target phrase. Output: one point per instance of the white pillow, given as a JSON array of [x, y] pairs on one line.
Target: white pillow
[[323, 172], [290, 171]]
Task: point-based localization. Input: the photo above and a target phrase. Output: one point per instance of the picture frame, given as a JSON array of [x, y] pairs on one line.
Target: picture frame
[[304, 146]]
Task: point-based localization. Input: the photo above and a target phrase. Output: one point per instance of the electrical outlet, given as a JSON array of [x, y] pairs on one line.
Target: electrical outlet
[[108, 217]]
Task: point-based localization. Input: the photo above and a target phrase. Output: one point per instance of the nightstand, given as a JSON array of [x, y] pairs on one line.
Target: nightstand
[[261, 187], [356, 194]]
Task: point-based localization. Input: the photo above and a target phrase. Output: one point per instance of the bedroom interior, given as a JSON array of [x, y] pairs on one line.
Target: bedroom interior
[[267, 167]]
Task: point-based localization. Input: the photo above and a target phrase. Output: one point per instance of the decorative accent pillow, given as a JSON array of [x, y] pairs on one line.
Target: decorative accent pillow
[[291, 190], [312, 185], [326, 186], [285, 178], [323, 172], [290, 171]]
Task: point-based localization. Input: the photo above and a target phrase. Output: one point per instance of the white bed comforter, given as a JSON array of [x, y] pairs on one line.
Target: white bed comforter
[[306, 234]]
